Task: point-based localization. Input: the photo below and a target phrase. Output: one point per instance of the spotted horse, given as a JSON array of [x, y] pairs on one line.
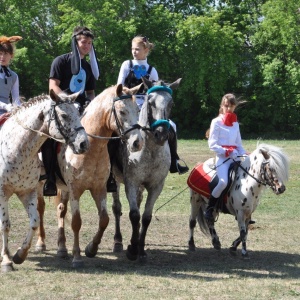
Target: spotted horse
[[267, 166]]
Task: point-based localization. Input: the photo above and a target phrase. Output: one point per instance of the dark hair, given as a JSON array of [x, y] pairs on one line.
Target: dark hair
[[82, 30], [7, 47]]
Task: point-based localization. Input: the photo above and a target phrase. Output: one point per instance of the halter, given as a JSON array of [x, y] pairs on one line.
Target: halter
[[54, 117]]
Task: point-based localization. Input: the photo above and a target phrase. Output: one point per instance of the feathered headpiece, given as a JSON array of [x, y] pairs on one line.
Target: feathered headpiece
[[10, 39], [76, 61]]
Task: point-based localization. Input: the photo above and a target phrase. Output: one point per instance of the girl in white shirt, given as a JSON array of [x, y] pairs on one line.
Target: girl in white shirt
[[225, 140]]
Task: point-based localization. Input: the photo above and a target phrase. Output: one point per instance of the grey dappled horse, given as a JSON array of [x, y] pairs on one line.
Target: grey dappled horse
[[145, 169]]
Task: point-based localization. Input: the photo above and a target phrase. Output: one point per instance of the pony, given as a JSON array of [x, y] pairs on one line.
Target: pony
[[266, 166], [110, 113], [21, 137], [146, 169]]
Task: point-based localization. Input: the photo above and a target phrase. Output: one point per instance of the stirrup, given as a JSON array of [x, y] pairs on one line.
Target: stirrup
[[182, 169]]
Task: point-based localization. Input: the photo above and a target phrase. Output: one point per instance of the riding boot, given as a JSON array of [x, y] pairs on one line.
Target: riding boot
[[49, 160], [175, 166], [111, 185], [210, 209]]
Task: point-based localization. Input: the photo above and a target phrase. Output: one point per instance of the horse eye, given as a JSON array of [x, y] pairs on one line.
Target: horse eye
[[64, 116]]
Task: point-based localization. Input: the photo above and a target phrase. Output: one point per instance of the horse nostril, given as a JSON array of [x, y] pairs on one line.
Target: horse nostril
[[83, 145], [136, 144]]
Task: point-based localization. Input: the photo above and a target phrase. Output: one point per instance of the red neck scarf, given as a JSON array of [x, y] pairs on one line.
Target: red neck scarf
[[229, 118]]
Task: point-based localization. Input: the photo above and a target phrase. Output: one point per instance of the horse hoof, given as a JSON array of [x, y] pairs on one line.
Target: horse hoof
[[118, 247], [216, 244], [245, 256], [130, 255], [192, 247], [8, 267], [77, 264], [232, 251], [89, 253], [40, 248], [62, 253], [17, 259]]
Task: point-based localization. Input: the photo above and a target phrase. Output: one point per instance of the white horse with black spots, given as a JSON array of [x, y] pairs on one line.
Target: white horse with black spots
[[267, 166], [21, 138]]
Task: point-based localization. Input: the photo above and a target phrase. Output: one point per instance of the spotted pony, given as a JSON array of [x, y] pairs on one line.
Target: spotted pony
[[267, 166]]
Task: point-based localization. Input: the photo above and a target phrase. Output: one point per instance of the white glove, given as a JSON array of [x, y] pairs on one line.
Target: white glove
[[9, 107], [234, 154]]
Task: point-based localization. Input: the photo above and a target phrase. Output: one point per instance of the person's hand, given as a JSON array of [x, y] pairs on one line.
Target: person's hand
[[9, 107], [233, 154]]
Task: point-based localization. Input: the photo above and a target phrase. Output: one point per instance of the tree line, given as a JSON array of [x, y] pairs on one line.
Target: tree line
[[248, 47]]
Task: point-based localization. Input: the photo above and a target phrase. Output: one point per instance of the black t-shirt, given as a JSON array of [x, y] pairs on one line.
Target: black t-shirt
[[69, 83]]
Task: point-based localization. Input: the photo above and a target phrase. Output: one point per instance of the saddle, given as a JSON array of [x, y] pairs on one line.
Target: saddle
[[3, 118], [203, 179]]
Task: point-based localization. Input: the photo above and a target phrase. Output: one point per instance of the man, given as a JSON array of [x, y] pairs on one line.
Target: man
[[71, 73]]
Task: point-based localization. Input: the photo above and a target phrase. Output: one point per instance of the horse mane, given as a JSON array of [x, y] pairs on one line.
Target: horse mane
[[30, 102], [279, 161]]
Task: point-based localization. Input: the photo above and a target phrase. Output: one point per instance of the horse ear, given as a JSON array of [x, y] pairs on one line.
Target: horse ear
[[148, 84], [135, 89], [265, 154], [53, 96], [175, 84], [119, 90], [74, 96]]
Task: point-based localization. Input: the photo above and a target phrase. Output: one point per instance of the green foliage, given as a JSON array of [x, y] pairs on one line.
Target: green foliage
[[247, 47]]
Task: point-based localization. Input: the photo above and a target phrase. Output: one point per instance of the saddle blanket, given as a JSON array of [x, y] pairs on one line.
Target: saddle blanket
[[201, 176], [3, 118]]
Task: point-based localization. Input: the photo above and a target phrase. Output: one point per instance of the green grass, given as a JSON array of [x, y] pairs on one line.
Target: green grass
[[172, 272]]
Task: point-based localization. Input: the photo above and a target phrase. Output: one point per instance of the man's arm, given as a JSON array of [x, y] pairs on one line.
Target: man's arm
[[54, 85]]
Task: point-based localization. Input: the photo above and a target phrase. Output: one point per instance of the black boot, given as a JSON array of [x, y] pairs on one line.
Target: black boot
[[210, 209], [49, 161], [111, 185], [175, 166]]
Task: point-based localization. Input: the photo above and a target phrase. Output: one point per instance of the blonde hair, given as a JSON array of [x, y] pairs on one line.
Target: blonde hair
[[143, 40]]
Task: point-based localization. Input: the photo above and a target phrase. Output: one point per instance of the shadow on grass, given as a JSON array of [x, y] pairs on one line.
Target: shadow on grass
[[180, 263]]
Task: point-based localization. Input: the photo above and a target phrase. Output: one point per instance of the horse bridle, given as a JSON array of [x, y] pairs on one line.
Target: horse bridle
[[54, 117], [263, 174], [122, 134], [162, 122]]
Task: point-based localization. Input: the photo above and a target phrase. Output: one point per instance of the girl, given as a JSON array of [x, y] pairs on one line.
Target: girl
[[9, 81], [225, 140]]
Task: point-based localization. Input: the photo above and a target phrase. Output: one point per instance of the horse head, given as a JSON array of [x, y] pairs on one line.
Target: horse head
[[64, 122], [157, 108], [274, 170]]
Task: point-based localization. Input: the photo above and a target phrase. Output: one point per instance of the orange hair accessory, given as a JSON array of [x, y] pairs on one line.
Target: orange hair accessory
[[10, 39]]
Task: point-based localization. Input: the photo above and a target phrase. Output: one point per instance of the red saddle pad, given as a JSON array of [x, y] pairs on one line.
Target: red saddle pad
[[200, 178], [3, 118]]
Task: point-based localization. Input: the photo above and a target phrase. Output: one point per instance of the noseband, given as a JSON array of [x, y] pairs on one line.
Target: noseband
[[62, 131]]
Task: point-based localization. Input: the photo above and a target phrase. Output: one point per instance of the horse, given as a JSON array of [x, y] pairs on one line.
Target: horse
[[146, 169], [266, 166], [21, 137], [110, 113]]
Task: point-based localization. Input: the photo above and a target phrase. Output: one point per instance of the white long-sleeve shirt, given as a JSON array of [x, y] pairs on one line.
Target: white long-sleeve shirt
[[221, 135]]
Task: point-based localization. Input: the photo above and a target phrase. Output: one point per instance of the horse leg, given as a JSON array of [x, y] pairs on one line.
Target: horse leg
[[40, 245], [234, 246], [117, 211], [100, 200], [61, 201], [6, 264], [195, 206], [30, 203]]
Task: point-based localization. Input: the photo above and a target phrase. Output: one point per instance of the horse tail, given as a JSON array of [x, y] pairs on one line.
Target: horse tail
[[202, 221]]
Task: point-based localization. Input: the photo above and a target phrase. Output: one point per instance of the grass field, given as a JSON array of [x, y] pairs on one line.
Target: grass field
[[172, 272]]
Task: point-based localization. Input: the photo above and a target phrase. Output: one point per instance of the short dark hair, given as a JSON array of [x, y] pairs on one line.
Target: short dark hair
[[7, 47], [82, 30]]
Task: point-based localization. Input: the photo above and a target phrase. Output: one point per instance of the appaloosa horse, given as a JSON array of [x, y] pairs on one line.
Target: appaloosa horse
[[110, 112], [266, 166], [146, 169], [21, 137]]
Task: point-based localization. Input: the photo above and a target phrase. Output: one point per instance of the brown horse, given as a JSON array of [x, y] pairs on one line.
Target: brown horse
[[110, 112]]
